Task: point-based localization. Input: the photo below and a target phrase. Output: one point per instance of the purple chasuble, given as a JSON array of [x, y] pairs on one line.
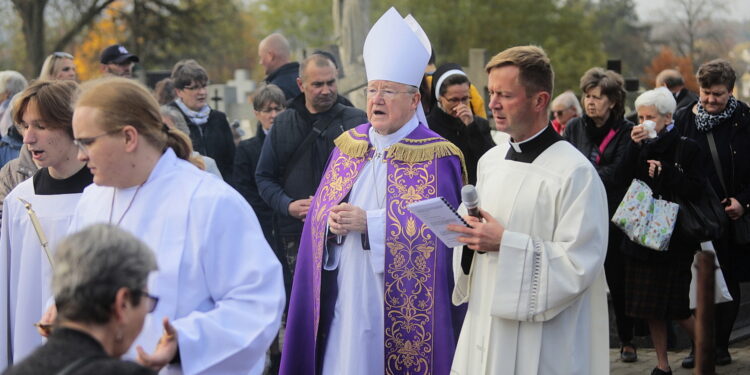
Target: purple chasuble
[[421, 325]]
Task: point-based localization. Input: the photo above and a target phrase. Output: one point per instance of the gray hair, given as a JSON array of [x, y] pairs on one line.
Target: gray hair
[[177, 118], [268, 94], [660, 97], [91, 265], [12, 82], [569, 100], [670, 78], [612, 86], [187, 71]]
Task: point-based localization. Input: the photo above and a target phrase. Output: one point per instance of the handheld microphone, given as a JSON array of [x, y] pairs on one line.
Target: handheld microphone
[[470, 199]]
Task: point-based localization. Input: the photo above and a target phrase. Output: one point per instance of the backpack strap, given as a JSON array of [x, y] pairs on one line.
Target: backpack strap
[[320, 126]]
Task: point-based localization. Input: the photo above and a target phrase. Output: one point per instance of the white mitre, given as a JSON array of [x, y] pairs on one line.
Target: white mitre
[[397, 50]]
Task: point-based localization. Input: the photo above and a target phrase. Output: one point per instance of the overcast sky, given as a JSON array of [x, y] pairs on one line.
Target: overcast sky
[[649, 10]]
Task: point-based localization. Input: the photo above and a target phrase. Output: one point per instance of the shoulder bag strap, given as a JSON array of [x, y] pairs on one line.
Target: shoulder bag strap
[[605, 142], [717, 162], [318, 127]]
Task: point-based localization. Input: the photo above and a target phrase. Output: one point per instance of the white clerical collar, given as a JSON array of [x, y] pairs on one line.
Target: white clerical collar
[[381, 142], [517, 145]]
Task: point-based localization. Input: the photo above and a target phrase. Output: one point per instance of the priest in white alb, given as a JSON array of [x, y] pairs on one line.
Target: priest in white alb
[[219, 284], [532, 270], [43, 111]]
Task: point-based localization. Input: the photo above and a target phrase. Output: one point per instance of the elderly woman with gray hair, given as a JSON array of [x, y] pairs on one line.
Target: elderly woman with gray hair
[[209, 128], [99, 285], [657, 283]]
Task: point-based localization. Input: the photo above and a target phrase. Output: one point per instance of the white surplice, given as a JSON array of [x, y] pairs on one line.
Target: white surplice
[[538, 306], [218, 280], [355, 341], [25, 272]]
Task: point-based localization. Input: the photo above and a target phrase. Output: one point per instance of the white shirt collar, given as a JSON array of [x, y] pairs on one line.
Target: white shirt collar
[[381, 142]]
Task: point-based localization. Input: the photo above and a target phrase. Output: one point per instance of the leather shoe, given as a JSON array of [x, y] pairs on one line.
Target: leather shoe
[[658, 371], [689, 361], [723, 357], [628, 356]]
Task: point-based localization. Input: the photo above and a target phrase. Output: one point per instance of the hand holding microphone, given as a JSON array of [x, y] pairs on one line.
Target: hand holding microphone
[[483, 235]]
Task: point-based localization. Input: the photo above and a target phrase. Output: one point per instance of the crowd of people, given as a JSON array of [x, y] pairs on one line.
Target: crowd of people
[[134, 225]]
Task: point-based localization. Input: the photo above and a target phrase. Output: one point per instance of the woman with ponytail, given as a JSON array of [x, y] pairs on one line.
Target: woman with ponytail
[[220, 286]]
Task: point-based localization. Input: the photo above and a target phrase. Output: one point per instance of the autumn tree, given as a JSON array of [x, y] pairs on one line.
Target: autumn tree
[[667, 59], [34, 26]]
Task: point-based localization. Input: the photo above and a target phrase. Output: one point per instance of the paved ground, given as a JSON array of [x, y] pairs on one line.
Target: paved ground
[[740, 352]]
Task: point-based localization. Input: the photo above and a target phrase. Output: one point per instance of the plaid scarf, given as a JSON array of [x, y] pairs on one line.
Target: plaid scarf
[[705, 121]]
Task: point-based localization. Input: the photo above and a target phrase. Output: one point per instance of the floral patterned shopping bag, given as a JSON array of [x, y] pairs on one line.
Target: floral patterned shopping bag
[[646, 220]]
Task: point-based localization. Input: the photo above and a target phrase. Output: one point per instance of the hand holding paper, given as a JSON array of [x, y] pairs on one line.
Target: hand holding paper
[[480, 236]]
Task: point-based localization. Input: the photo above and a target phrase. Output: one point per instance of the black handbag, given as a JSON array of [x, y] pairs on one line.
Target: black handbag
[[741, 226], [702, 219]]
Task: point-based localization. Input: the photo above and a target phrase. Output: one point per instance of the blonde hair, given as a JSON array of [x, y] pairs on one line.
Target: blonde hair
[[535, 70], [50, 63], [123, 101], [54, 100]]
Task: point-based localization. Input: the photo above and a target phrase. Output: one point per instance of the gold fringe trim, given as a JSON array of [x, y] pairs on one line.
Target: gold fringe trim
[[356, 148], [424, 152]]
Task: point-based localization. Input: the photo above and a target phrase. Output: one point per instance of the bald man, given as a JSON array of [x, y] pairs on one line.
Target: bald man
[[672, 80], [274, 53]]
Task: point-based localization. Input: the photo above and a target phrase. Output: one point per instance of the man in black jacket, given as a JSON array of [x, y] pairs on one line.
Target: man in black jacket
[[274, 53], [296, 150], [672, 80]]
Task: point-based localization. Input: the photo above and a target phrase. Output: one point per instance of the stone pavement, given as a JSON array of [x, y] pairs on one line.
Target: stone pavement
[[740, 352]]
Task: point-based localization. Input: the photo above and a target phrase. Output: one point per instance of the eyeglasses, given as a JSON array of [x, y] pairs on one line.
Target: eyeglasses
[[84, 143], [196, 86], [272, 109], [152, 300], [559, 113], [465, 99], [386, 93], [62, 55]]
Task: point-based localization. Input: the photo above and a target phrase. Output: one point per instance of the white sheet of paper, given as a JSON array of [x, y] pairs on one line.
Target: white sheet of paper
[[437, 213]]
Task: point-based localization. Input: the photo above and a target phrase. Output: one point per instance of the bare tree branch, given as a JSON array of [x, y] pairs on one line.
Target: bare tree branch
[[85, 20]]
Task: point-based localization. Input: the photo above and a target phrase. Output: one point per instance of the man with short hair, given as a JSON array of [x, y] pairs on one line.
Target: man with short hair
[[371, 294], [274, 53], [535, 288], [117, 61], [672, 79], [296, 149], [564, 108]]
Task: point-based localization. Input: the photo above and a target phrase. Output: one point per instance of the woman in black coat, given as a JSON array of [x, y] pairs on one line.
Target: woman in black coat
[[209, 128], [727, 120], [602, 135], [657, 283]]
